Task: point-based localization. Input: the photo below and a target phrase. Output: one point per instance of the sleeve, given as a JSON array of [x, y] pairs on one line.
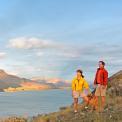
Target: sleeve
[[73, 84], [85, 84], [95, 80], [105, 78]]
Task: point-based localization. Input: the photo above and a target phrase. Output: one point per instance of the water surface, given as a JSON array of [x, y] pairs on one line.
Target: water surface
[[33, 102]]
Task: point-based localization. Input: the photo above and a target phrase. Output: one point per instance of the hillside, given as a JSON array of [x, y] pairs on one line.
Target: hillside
[[11, 83], [115, 84], [7, 80], [112, 112], [55, 82]]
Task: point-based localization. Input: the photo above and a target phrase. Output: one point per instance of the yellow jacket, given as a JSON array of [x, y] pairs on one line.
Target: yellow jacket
[[79, 85]]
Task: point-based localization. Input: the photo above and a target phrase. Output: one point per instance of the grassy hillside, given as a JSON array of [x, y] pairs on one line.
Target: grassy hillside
[[112, 112]]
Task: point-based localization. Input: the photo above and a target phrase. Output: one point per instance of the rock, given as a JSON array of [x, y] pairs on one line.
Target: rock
[[63, 108]]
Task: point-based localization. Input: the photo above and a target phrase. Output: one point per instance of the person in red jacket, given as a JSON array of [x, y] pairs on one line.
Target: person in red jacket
[[100, 83]]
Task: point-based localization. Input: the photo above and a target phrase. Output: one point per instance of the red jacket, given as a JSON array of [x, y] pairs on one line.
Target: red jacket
[[103, 76]]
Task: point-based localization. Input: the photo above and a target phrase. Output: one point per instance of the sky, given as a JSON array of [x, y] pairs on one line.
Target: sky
[[54, 38]]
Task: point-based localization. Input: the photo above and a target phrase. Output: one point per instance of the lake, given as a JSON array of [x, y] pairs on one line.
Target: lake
[[33, 102]]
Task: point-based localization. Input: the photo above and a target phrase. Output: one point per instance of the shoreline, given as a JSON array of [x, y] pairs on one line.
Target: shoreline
[[35, 90]]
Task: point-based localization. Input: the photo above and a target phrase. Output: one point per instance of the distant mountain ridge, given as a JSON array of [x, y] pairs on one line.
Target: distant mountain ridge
[[8, 80], [54, 81]]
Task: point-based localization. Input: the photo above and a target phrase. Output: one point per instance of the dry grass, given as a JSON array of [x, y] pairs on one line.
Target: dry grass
[[112, 113], [13, 119]]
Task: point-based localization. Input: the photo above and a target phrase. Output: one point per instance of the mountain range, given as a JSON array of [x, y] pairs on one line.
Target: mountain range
[[13, 83]]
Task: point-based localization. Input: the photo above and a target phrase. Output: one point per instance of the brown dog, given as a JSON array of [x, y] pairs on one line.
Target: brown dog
[[92, 99]]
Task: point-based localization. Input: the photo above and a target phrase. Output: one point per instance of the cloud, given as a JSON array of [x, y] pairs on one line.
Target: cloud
[[62, 59], [2, 55], [88, 57], [39, 54], [52, 48], [60, 49], [58, 54], [29, 43]]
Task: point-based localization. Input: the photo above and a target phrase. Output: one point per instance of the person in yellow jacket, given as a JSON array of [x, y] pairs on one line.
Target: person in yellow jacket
[[80, 88]]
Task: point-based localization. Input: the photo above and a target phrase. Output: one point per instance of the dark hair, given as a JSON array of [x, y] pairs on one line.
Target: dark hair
[[81, 72], [103, 63]]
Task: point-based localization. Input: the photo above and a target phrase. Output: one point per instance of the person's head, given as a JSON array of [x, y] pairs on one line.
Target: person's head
[[79, 73], [101, 64]]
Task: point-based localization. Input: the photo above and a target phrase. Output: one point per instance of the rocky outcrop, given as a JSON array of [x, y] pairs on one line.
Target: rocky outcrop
[[115, 84]]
